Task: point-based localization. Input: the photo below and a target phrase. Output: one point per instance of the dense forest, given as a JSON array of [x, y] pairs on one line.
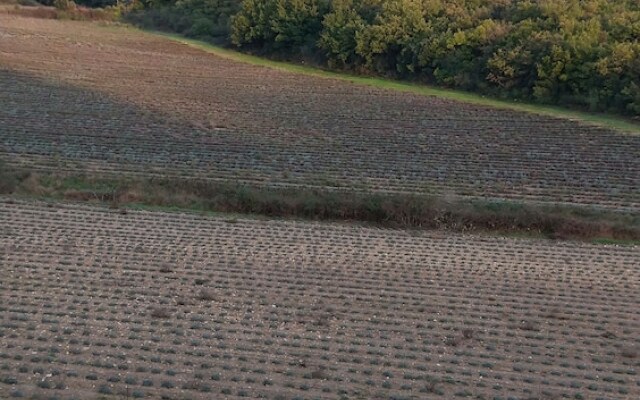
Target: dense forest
[[575, 53]]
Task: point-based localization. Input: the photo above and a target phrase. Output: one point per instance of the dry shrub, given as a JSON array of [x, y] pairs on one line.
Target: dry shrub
[[97, 14], [206, 295], [412, 211], [468, 333], [65, 5], [165, 269], [529, 326], [160, 312], [453, 341], [32, 184], [319, 373], [78, 195]]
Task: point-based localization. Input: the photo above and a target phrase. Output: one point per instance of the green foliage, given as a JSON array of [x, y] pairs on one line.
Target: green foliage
[[278, 24], [581, 53], [394, 40], [64, 5], [97, 3], [341, 27], [8, 179], [194, 18]]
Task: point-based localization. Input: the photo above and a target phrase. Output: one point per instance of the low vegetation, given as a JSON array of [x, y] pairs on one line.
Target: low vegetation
[[388, 210], [205, 19]]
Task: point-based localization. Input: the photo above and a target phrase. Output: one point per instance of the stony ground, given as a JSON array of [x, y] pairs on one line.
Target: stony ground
[[149, 304], [80, 96]]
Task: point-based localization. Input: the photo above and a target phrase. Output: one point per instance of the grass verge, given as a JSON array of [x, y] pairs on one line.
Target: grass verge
[[602, 120], [386, 210]]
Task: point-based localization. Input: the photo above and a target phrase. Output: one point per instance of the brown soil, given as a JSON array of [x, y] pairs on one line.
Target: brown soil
[[180, 306], [78, 95]]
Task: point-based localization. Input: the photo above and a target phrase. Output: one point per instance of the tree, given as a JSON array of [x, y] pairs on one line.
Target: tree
[[277, 24], [340, 27], [393, 42]]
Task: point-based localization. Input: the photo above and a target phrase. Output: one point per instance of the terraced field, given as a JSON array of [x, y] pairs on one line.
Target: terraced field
[[77, 96], [147, 304]]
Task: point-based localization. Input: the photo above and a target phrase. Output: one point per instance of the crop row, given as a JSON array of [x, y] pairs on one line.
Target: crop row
[[184, 306], [121, 102]]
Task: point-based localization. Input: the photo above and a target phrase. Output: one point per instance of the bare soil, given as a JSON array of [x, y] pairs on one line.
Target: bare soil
[[82, 96]]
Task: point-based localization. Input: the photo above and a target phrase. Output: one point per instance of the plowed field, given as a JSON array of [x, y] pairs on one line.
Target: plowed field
[[78, 96]]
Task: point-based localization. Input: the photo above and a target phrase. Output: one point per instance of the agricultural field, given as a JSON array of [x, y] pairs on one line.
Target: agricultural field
[[97, 303], [82, 97], [103, 299]]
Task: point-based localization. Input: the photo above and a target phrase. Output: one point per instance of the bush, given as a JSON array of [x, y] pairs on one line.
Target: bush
[[105, 389], [8, 179], [202, 27], [278, 24], [195, 18], [64, 5]]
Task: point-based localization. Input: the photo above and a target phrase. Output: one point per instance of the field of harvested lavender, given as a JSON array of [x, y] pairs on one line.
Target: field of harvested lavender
[[77, 97], [146, 304], [115, 303]]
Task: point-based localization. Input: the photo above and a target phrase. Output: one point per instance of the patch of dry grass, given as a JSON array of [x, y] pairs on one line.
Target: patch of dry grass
[[388, 210]]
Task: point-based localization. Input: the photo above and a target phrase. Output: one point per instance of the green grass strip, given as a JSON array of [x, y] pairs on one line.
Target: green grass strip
[[403, 211]]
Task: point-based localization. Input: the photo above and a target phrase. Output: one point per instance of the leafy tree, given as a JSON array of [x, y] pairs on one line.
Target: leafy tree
[[277, 24], [340, 27], [574, 52], [394, 40]]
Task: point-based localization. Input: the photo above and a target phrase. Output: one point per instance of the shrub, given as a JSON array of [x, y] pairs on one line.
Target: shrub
[[64, 5], [8, 179], [167, 384], [105, 389]]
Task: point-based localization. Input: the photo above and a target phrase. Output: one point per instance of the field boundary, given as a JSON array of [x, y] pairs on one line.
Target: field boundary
[[401, 211], [605, 121]]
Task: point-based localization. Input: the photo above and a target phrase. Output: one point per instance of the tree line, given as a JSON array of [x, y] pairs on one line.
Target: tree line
[[575, 53]]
